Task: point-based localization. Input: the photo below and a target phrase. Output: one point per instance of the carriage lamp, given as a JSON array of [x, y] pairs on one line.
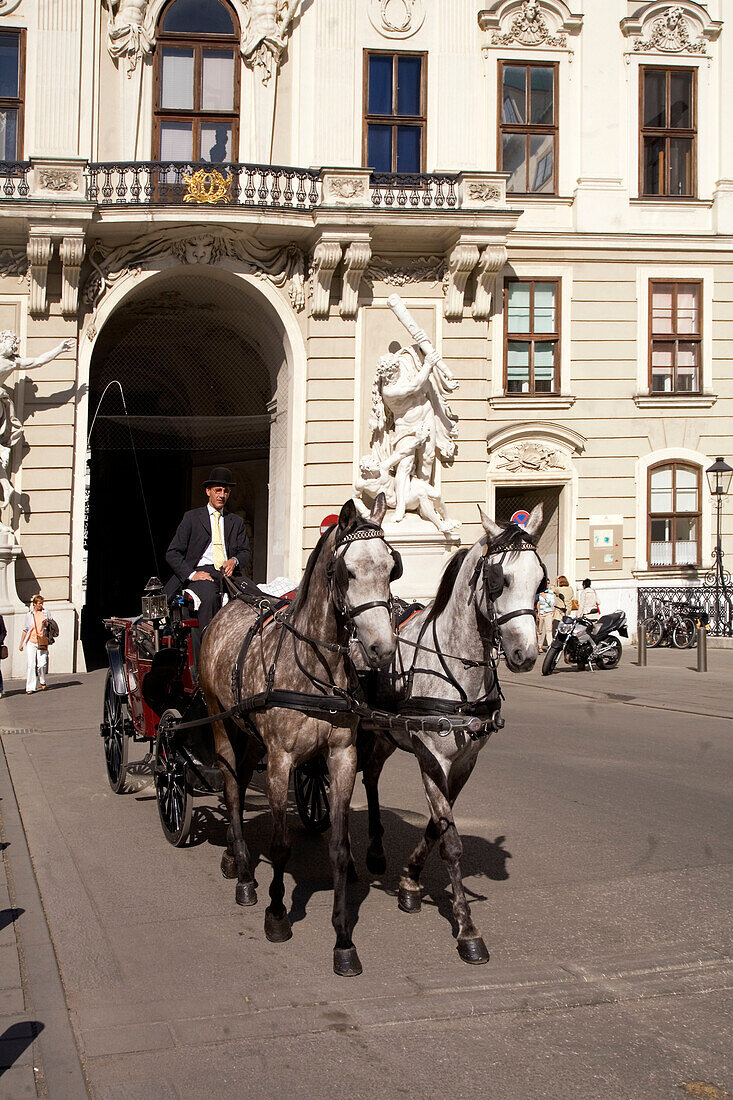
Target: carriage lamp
[[719, 477], [154, 600]]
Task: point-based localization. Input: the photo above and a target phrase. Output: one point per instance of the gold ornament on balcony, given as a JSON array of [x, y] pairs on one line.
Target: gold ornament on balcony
[[208, 186]]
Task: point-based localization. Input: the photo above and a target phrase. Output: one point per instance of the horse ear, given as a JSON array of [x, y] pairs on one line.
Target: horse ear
[[347, 515], [534, 522], [379, 508], [491, 528]]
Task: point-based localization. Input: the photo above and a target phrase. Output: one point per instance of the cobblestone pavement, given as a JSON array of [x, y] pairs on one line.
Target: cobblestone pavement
[[597, 852]]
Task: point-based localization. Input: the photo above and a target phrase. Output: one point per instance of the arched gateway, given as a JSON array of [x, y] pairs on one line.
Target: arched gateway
[[211, 364]]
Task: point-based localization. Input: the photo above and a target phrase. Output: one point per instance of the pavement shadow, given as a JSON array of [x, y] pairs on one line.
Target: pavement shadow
[[9, 916], [15, 1040]]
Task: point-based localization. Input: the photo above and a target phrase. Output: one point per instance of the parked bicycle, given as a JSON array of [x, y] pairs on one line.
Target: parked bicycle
[[677, 626]]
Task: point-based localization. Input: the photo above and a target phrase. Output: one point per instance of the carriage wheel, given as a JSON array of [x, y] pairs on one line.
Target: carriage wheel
[[172, 789], [311, 784], [116, 740]]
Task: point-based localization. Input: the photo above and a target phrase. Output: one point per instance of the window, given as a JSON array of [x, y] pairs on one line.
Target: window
[[674, 515], [676, 337], [394, 111], [668, 132], [197, 83], [12, 81], [528, 127], [532, 335]]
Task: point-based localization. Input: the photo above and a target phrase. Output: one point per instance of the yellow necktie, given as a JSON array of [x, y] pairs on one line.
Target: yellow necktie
[[217, 544]]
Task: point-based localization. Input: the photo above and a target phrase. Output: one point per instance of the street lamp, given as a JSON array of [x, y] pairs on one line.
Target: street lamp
[[719, 477]]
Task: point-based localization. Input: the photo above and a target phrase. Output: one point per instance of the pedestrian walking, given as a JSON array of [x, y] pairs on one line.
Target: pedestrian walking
[[588, 601], [3, 650], [35, 641], [563, 592], [545, 610]]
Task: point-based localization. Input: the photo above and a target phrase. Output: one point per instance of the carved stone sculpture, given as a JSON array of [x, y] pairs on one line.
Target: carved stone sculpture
[[670, 33], [412, 427], [529, 28], [265, 34], [535, 457], [11, 430], [128, 35], [397, 18]]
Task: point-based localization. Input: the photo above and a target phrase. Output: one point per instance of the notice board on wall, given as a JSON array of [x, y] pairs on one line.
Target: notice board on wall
[[606, 539]]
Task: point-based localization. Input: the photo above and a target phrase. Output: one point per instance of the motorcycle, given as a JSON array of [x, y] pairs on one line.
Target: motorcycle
[[587, 642]]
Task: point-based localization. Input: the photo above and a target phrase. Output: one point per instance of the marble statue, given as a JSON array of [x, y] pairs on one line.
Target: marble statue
[[128, 36], [265, 33], [11, 430], [412, 426]]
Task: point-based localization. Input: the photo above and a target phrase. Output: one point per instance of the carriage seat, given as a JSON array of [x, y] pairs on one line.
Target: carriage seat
[[402, 610]]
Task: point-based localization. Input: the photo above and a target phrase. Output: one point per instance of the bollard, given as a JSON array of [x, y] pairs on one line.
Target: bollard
[[641, 643], [702, 649]]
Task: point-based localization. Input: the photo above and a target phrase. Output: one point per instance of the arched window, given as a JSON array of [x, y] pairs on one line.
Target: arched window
[[197, 83], [674, 515]]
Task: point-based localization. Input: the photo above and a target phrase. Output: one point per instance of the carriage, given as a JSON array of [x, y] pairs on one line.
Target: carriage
[[152, 698]]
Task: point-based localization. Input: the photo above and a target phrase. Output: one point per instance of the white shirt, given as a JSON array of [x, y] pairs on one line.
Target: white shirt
[[207, 558]]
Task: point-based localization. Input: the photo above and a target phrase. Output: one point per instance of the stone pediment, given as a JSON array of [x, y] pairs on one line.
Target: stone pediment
[[522, 24], [666, 29], [543, 450]]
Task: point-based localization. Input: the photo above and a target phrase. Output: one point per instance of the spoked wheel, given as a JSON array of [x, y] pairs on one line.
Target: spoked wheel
[[683, 633], [612, 656], [172, 789], [116, 740], [653, 631], [311, 784]]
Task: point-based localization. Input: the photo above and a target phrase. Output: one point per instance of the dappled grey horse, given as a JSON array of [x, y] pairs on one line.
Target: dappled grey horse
[[299, 659], [445, 665]]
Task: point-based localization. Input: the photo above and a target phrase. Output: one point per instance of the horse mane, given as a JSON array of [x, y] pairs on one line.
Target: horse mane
[[302, 592], [512, 537], [447, 583]]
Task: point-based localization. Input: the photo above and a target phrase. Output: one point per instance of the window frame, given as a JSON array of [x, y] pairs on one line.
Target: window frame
[[530, 336], [529, 129], [17, 103], [198, 43], [395, 120], [668, 132], [673, 515], [675, 337]]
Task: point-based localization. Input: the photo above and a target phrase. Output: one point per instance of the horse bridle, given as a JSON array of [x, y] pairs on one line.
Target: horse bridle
[[512, 540], [338, 579]]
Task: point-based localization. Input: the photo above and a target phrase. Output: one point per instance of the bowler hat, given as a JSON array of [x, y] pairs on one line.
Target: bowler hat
[[220, 475]]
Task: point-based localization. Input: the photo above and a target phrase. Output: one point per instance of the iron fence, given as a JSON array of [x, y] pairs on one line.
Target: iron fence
[[697, 600], [389, 189], [14, 179]]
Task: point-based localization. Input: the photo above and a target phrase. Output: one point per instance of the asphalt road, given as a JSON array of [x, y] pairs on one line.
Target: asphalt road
[[598, 850]]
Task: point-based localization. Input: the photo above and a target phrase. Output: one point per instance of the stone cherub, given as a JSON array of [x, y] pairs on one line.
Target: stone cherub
[[11, 429]]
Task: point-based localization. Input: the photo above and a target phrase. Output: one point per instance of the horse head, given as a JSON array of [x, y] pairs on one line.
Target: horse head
[[507, 582], [360, 571]]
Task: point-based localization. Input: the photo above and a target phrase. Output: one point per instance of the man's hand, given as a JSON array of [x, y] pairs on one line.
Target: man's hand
[[201, 576], [229, 566]]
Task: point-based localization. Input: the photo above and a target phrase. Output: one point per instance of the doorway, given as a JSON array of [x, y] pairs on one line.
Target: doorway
[[511, 499], [199, 366]]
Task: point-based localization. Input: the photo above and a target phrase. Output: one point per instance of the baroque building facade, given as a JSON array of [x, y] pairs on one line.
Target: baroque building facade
[[214, 200]]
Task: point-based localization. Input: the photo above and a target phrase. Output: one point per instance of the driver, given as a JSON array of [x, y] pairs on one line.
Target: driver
[[208, 541]]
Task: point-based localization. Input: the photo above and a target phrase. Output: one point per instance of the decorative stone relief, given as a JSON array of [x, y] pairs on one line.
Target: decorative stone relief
[[6, 6], [345, 188], [484, 192], [418, 269], [39, 255], [529, 456], [265, 34], [397, 18], [14, 263], [527, 23], [356, 258], [326, 257], [461, 263], [71, 252], [491, 261], [130, 34], [671, 33], [58, 179], [208, 245]]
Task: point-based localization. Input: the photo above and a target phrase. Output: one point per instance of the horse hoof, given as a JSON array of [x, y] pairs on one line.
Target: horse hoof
[[228, 866], [346, 962], [409, 901], [277, 929], [246, 894], [376, 864], [351, 874], [473, 950]]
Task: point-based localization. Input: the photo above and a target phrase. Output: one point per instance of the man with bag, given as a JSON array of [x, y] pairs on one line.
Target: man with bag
[[35, 639]]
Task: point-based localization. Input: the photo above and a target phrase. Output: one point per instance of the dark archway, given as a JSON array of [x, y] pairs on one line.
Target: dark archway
[[199, 364]]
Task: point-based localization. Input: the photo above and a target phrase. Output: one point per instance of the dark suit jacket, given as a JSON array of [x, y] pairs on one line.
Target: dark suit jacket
[[192, 538]]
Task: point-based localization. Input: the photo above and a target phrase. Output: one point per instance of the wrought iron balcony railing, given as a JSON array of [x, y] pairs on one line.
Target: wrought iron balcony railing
[[260, 186]]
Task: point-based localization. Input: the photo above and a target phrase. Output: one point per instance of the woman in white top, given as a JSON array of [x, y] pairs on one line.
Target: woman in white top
[[33, 630], [588, 601]]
